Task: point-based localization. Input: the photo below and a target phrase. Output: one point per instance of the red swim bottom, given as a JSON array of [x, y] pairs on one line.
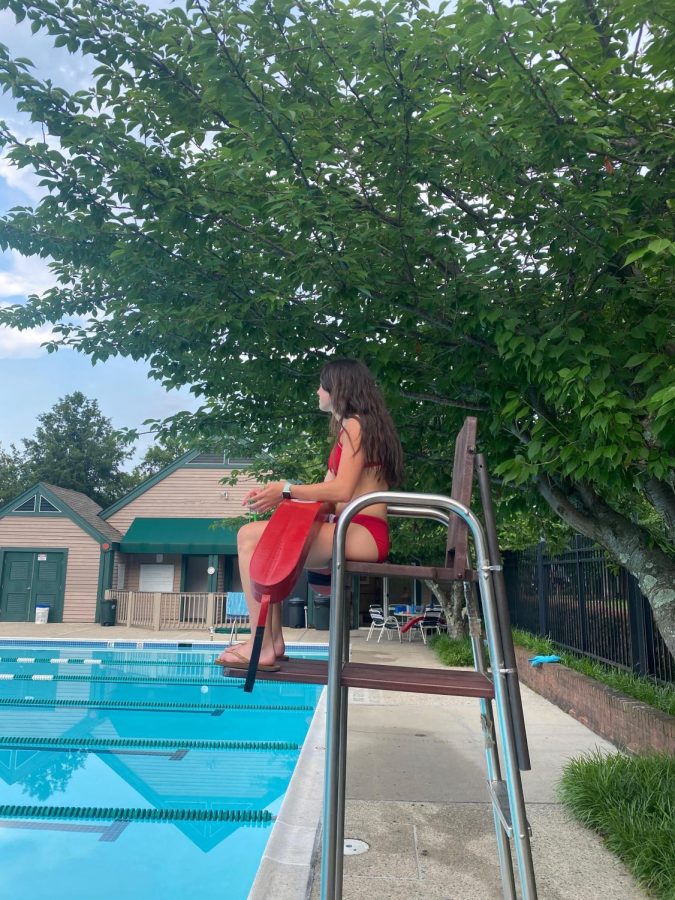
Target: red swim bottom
[[319, 579], [379, 530]]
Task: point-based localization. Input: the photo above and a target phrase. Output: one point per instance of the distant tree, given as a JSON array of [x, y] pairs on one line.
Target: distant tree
[[12, 474], [158, 456], [75, 446]]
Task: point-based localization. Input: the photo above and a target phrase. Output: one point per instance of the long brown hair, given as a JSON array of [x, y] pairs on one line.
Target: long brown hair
[[354, 393]]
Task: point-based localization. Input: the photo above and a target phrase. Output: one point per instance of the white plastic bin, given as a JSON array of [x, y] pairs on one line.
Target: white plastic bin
[[41, 615]]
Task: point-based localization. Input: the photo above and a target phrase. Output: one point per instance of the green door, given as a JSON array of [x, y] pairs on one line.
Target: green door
[[31, 579]]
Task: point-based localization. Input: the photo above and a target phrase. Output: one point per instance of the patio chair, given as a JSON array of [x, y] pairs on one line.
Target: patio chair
[[383, 624], [430, 622]]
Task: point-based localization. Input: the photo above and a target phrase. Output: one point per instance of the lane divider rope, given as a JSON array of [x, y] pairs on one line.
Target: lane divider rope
[[87, 743], [245, 816], [138, 704], [78, 660], [120, 679]]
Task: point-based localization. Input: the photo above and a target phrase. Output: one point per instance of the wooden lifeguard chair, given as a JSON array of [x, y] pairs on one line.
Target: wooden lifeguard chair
[[496, 682]]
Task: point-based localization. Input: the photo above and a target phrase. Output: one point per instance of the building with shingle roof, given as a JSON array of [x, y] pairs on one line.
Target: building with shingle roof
[[60, 549]]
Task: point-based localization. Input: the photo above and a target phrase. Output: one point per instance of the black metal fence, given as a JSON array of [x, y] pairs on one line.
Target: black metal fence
[[587, 605]]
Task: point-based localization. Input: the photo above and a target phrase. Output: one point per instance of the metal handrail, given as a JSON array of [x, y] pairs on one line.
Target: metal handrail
[[427, 506]]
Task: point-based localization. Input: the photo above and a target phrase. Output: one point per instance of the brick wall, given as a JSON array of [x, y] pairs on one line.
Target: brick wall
[[629, 724]]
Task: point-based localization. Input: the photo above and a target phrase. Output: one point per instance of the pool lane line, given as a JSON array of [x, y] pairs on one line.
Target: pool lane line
[[136, 814], [149, 705], [76, 660], [122, 679], [89, 743]]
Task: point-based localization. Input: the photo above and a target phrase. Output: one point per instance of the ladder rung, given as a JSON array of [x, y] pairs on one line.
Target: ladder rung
[[450, 682], [500, 800]]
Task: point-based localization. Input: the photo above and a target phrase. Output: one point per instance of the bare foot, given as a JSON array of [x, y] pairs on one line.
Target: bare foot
[[245, 648], [237, 658]]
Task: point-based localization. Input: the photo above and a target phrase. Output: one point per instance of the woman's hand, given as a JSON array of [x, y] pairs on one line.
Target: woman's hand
[[260, 500]]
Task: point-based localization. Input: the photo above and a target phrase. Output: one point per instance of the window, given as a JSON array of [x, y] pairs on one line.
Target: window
[[46, 506], [26, 506], [156, 577], [121, 575]]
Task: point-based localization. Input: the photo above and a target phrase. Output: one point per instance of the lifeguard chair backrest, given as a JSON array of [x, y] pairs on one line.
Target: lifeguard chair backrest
[[462, 483]]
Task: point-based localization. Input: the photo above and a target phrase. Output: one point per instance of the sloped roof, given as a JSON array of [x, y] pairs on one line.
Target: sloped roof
[[85, 508]]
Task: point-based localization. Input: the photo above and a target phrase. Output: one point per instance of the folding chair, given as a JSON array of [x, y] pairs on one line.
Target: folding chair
[[430, 623], [383, 624]]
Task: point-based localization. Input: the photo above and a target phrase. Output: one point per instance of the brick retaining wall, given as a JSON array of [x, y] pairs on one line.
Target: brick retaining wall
[[626, 722]]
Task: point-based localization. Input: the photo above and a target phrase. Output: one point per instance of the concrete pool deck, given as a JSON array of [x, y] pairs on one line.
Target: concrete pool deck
[[416, 788]]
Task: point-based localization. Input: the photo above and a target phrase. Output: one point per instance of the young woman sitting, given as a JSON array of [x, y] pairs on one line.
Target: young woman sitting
[[366, 457]]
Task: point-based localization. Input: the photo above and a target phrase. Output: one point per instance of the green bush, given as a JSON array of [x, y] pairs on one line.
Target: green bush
[[452, 652], [630, 801]]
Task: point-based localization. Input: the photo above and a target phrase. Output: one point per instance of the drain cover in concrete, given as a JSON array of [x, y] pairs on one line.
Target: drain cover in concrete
[[353, 847]]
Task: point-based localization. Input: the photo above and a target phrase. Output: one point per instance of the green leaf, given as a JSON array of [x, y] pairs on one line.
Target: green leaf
[[659, 245]]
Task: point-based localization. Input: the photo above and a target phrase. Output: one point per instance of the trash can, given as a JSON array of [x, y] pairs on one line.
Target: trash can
[[321, 613], [295, 612], [41, 615], [108, 612]]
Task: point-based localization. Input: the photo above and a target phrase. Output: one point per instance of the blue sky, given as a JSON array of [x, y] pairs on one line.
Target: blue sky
[[31, 380]]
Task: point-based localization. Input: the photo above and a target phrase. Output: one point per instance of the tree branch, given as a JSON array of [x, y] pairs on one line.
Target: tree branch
[[444, 401]]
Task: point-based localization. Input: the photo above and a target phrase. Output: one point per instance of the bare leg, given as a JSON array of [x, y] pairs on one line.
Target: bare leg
[[247, 540], [277, 631], [360, 546]]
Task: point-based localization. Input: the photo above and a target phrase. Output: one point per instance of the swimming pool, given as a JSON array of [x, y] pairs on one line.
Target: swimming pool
[[128, 772]]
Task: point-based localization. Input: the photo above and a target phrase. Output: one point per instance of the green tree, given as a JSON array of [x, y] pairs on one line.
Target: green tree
[[75, 446], [158, 456], [477, 203], [12, 474]]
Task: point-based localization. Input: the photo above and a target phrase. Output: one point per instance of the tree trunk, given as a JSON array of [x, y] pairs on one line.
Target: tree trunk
[[662, 497], [628, 542], [452, 602]]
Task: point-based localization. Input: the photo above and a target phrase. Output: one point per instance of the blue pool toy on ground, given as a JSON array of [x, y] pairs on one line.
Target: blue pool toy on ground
[[540, 660]]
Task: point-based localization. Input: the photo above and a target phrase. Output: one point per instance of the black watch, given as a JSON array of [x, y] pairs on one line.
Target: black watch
[[286, 490]]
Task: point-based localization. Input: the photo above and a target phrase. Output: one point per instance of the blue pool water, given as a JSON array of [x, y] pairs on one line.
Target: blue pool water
[[97, 744]]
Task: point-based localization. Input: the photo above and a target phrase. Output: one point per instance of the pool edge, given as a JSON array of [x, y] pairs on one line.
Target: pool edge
[[286, 868]]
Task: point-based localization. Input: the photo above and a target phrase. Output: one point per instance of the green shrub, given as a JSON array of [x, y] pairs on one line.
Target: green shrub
[[630, 801], [452, 652]]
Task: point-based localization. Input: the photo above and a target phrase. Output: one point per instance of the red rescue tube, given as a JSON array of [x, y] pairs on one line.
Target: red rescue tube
[[282, 549], [278, 560]]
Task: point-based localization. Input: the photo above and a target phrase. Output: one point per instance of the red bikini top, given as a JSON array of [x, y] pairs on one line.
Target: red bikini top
[[336, 456]]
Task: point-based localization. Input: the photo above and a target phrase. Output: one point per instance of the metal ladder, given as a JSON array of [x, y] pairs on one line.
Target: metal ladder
[[505, 791]]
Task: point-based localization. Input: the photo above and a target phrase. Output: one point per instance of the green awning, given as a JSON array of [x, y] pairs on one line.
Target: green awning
[[179, 536]]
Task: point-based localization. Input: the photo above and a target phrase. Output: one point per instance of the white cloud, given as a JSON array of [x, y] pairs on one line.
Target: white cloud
[[24, 275], [15, 344], [24, 180]]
